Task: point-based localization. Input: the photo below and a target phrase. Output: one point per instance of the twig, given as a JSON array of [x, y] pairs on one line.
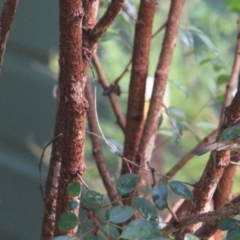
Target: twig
[[174, 216], [152, 170], [159, 30], [183, 161], [204, 217], [97, 148], [6, 19], [130, 15], [95, 221], [40, 163], [84, 183], [112, 96], [115, 150], [100, 28], [126, 69]]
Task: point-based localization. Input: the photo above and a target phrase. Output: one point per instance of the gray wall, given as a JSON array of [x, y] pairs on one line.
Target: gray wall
[[27, 112]]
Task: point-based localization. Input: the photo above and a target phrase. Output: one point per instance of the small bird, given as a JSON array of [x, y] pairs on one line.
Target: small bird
[[229, 139]]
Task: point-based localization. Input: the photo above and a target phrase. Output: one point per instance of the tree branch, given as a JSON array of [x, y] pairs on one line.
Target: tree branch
[[139, 73], [160, 81], [97, 149], [112, 96], [207, 218], [106, 20], [6, 19], [184, 160]]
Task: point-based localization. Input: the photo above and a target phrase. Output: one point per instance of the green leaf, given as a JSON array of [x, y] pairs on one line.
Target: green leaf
[[187, 38], [112, 231], [74, 189], [220, 98], [145, 190], [233, 5], [159, 195], [222, 79], [93, 197], [146, 209], [227, 224], [205, 125], [67, 221], [206, 60], [186, 126], [73, 205], [180, 87], [176, 112], [120, 214], [218, 64], [202, 36], [63, 238], [141, 229], [181, 190], [189, 236], [126, 183], [233, 234], [230, 133]]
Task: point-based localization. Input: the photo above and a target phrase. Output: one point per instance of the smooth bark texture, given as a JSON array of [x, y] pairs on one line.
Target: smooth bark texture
[[6, 19], [139, 73]]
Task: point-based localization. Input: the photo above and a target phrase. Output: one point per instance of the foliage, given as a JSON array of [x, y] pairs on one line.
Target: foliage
[[198, 65]]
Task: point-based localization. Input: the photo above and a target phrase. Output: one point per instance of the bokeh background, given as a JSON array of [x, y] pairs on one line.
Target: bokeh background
[[202, 63]]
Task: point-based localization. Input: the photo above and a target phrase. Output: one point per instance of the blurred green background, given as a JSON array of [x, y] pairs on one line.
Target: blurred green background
[[201, 64]]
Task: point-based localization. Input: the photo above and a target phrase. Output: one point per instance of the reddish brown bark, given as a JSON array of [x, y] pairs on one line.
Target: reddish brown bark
[[160, 81], [72, 103], [67, 159], [6, 19], [139, 73], [205, 188]]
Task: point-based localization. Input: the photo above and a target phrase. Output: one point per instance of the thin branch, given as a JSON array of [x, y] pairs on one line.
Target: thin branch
[[159, 30], [152, 170], [207, 218], [126, 69], [112, 96], [97, 148], [118, 153], [174, 216], [83, 182], [40, 162], [101, 27], [6, 20], [184, 160]]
